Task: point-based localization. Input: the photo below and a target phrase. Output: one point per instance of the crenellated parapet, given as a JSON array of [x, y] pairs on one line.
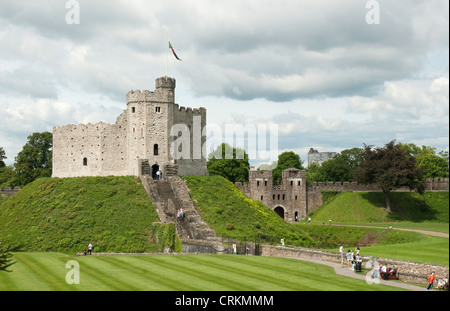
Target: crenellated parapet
[[164, 92]]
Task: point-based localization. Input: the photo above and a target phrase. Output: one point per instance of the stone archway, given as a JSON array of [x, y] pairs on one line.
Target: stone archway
[[280, 211]]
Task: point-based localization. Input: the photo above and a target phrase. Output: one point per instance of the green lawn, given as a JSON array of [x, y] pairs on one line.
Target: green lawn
[[47, 272], [433, 250]]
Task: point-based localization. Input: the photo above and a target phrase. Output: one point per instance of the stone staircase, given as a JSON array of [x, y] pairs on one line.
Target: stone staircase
[[168, 196]]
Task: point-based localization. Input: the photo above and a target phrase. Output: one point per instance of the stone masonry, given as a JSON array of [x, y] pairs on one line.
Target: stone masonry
[[288, 199], [152, 133]]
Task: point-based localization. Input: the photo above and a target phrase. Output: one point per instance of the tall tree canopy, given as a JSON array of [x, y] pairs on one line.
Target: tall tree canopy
[[288, 159], [231, 163], [343, 166], [2, 157], [35, 159], [432, 164], [390, 167]]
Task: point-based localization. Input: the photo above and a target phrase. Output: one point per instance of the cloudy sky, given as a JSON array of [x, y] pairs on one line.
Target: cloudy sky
[[331, 75]]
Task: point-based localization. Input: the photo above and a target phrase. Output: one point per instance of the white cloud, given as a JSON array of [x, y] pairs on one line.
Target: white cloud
[[315, 68]]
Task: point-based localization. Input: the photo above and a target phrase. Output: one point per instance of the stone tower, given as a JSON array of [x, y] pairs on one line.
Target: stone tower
[[153, 133]]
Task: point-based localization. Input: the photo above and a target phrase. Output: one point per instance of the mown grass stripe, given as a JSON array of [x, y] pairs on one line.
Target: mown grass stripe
[[262, 277], [97, 269], [221, 279], [146, 275], [187, 277], [37, 267]]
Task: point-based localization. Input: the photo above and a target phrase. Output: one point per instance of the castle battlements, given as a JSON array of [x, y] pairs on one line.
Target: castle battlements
[[164, 92]]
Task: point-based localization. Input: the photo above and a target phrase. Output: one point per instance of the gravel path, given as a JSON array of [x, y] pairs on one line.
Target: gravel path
[[433, 233]]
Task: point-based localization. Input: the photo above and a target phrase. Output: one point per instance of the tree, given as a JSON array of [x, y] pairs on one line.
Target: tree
[[35, 159], [288, 159], [2, 157], [343, 166], [314, 173], [389, 168], [432, 165], [231, 163]]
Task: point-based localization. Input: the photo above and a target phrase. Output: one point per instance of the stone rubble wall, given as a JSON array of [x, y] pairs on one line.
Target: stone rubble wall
[[8, 191]]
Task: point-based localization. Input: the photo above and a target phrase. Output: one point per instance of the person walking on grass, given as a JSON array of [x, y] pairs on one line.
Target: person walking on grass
[[431, 280], [90, 248]]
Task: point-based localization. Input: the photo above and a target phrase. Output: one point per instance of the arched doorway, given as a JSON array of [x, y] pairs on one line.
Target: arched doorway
[[280, 211], [155, 168]]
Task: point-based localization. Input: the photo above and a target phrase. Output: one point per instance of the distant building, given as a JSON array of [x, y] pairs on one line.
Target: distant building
[[314, 156]]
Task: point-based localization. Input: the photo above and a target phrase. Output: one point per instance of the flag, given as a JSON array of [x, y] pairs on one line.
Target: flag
[[173, 51]]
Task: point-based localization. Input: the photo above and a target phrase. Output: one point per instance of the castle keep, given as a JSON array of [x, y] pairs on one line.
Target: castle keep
[[152, 134]]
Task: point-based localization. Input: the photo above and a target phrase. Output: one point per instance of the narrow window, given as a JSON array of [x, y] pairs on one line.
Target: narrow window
[[158, 109], [292, 183], [299, 182], [262, 198], [278, 197], [257, 183], [283, 196], [274, 197], [133, 109], [296, 197], [84, 161], [155, 149], [265, 182]]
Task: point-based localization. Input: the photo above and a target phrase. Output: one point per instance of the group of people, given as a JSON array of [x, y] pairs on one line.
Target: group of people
[[385, 272], [354, 260], [441, 284], [180, 215], [88, 250]]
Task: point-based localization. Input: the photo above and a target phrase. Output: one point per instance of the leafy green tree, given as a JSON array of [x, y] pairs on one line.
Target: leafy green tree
[[389, 168], [432, 164], [6, 176], [343, 166], [314, 173], [231, 163], [35, 159], [2, 157], [287, 159]]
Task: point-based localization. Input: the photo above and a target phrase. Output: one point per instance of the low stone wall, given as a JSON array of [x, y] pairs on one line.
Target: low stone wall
[[8, 191], [408, 271], [191, 246]]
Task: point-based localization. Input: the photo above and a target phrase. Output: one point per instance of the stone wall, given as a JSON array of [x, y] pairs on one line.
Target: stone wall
[[8, 191]]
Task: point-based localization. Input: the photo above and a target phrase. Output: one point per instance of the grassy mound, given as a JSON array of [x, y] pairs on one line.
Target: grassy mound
[[369, 207], [232, 214], [65, 215]]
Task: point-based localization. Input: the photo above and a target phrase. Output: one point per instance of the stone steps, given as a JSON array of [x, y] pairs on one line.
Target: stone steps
[[170, 195]]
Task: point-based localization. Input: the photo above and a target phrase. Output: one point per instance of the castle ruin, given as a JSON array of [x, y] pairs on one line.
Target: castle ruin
[[146, 137]]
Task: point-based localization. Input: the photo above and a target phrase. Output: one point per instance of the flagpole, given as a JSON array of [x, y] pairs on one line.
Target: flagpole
[[167, 56]]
